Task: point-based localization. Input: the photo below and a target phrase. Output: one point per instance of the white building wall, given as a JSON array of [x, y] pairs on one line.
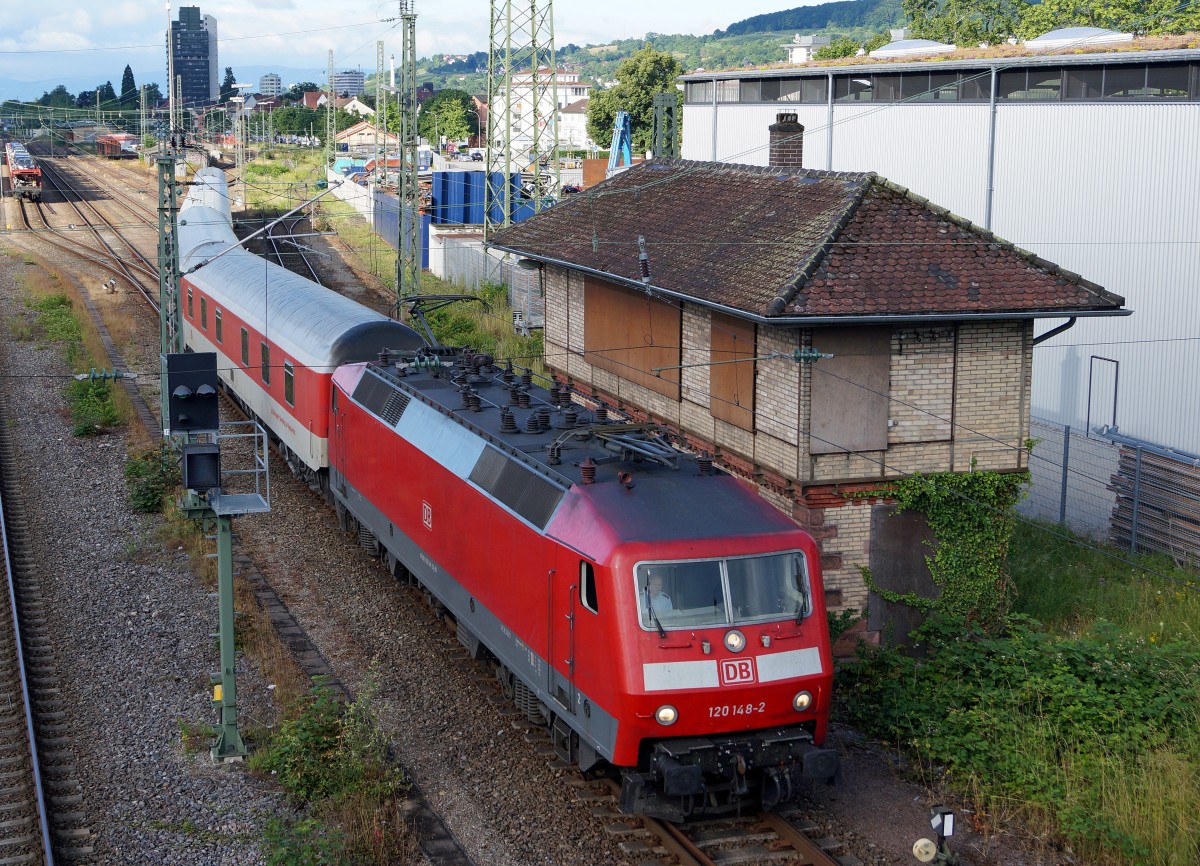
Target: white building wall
[[1106, 190]]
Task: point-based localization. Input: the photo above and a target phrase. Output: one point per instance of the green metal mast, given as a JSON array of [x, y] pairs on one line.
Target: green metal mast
[[522, 110], [408, 258], [170, 327]]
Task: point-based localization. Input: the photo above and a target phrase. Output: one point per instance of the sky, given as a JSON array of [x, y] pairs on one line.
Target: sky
[[83, 43]]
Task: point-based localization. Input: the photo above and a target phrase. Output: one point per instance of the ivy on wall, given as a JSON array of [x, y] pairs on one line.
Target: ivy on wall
[[972, 518]]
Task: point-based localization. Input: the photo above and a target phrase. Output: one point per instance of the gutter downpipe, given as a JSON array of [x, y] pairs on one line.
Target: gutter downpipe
[[991, 173], [829, 123], [807, 321], [1054, 332]]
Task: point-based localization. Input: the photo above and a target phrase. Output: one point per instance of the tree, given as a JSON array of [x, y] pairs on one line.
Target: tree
[[129, 92], [843, 46], [153, 94], [59, 97], [86, 99], [296, 92], [1156, 16], [964, 22], [107, 95], [448, 113], [639, 78], [227, 85]]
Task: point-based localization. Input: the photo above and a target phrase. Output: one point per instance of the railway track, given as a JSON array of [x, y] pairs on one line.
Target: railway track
[[39, 794], [139, 275]]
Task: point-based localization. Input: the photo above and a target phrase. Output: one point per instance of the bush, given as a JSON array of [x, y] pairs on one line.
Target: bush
[[150, 477], [1072, 727], [92, 409]]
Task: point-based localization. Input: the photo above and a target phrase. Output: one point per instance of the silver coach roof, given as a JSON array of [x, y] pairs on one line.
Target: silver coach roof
[[314, 325]]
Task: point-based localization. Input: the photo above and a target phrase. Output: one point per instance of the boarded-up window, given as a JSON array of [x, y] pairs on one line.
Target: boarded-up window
[[630, 334], [850, 391], [731, 386]]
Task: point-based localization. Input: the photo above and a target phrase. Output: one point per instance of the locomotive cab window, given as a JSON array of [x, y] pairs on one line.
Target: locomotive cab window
[[266, 363], [719, 592], [289, 383], [217, 322], [587, 586]]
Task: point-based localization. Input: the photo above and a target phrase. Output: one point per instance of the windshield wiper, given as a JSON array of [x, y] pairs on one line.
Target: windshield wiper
[[662, 632]]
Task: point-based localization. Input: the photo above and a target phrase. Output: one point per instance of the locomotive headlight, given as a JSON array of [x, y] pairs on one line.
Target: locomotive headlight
[[735, 641], [802, 701], [666, 715]]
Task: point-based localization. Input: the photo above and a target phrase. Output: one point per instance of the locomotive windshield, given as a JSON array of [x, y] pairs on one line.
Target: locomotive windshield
[[717, 592]]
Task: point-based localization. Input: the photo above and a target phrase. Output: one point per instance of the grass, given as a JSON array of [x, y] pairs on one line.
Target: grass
[[1067, 583], [1080, 716], [61, 320]]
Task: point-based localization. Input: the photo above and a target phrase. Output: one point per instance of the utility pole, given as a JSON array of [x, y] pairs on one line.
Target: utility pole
[[191, 424], [330, 125], [522, 112], [170, 71], [408, 246], [142, 115], [381, 100]]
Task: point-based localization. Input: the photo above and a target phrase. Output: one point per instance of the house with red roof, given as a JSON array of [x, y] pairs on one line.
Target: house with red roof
[[684, 292]]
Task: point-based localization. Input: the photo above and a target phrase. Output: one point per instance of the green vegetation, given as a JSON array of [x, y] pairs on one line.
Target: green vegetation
[[1086, 726], [332, 759], [90, 403], [639, 79], [92, 409], [150, 477], [968, 22], [449, 114], [971, 515]]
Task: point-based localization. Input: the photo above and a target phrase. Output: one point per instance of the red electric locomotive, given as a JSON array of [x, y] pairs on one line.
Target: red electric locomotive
[[651, 611]]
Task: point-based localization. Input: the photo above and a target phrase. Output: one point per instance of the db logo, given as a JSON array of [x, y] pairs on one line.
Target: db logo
[[427, 515], [737, 671]]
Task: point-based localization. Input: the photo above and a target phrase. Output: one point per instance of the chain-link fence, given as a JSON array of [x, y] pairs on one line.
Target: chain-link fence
[[1071, 477], [1125, 491], [468, 264]]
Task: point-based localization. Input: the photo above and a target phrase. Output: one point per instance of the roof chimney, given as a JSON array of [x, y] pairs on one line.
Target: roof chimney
[[787, 141]]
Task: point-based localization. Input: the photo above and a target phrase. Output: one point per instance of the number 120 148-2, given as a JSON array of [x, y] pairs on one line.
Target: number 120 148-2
[[736, 710]]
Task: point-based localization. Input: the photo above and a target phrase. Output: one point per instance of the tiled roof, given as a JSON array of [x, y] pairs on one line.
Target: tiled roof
[[797, 242]]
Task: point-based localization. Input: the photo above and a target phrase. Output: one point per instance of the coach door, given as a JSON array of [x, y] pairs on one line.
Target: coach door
[[563, 591], [339, 441]]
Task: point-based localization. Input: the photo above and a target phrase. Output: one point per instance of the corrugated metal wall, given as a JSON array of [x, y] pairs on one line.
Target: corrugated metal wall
[[1110, 191]]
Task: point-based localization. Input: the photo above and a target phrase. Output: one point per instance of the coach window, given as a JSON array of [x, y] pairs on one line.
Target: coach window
[[289, 383], [217, 321], [204, 314], [266, 363], [587, 586], [190, 314], [245, 349]]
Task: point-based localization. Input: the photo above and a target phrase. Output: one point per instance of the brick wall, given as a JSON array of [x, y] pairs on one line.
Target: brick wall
[[958, 394]]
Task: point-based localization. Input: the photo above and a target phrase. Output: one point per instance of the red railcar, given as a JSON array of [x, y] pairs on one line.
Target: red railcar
[[652, 612], [24, 175], [117, 146]]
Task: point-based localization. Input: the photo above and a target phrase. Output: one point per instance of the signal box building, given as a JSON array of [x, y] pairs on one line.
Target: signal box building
[[928, 317], [1080, 146]]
